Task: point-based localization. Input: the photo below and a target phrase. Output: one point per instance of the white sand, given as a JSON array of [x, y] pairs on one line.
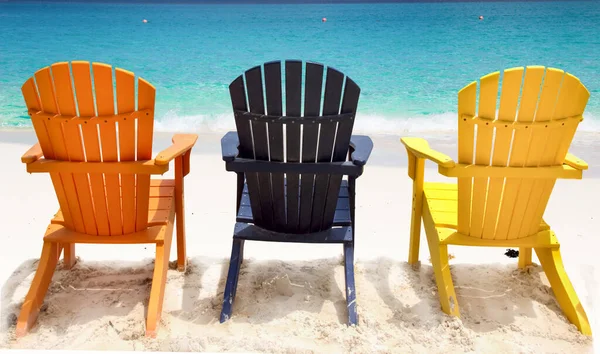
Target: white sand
[[290, 297]]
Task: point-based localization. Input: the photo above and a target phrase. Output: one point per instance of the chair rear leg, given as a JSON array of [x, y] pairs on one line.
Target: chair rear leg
[[70, 258], [525, 254], [159, 281], [563, 289], [350, 285], [39, 287], [232, 279]]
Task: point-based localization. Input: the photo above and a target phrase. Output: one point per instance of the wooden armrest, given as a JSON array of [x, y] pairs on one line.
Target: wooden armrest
[[575, 162], [229, 146], [420, 148], [33, 154], [181, 144], [362, 146]]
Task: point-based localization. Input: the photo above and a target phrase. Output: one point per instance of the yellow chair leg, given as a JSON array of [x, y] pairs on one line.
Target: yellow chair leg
[[159, 280], [551, 262], [524, 257], [417, 208], [38, 289], [441, 268]]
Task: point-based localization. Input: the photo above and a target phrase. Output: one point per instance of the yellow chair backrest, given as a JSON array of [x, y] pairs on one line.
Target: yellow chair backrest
[[77, 119], [533, 125]]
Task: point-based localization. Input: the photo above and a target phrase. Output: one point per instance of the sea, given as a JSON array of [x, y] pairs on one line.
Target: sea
[[410, 59]]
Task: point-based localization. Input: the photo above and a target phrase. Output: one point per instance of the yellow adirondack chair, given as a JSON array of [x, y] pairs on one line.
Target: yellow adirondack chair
[[99, 156], [508, 163]]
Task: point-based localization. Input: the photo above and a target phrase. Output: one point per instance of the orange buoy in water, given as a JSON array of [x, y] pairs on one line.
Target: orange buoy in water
[[324, 19], [481, 17], [145, 21]]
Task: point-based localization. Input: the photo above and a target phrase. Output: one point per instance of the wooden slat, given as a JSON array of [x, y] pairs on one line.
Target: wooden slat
[[293, 101], [488, 95], [55, 132], [237, 92], [538, 145], [126, 104], [66, 105], [331, 106], [342, 142], [145, 131], [466, 106], [312, 107], [30, 95], [46, 91], [256, 104], [103, 84], [573, 98], [85, 103], [272, 72], [514, 201], [32, 101], [83, 88], [509, 100], [40, 126], [63, 183]]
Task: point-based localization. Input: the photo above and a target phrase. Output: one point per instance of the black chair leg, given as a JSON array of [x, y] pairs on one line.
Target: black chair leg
[[350, 287], [232, 279]]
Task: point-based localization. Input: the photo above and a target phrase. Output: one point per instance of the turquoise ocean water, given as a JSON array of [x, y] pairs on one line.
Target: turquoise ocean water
[[409, 59]]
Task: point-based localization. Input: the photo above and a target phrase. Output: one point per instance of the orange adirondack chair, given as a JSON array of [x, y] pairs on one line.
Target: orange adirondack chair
[[99, 156]]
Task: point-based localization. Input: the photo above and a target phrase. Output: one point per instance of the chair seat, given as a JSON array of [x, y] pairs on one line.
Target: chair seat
[[162, 197], [342, 209], [442, 199]]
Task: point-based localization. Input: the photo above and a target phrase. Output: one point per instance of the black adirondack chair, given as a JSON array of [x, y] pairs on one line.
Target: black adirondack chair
[[290, 167]]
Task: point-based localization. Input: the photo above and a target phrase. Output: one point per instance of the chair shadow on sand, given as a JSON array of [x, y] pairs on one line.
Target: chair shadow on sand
[[267, 289], [487, 302], [86, 292]]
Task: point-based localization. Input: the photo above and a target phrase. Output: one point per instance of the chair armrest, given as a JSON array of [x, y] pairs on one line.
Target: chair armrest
[[575, 162], [361, 146], [229, 146], [33, 154], [420, 148], [182, 143]]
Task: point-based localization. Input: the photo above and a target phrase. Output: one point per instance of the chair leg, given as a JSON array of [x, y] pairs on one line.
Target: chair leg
[[38, 289], [441, 269], [350, 286], [70, 259], [417, 209], [159, 280], [232, 279], [524, 257], [551, 262], [180, 215]]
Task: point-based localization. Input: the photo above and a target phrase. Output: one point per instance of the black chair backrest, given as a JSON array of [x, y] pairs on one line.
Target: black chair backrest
[[311, 125]]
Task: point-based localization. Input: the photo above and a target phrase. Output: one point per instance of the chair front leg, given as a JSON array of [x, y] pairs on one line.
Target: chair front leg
[[180, 212], [416, 170], [350, 284], [39, 287]]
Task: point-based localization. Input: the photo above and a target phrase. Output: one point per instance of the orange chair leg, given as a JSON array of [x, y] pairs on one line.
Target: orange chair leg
[[70, 259], [38, 289], [159, 280], [180, 214]]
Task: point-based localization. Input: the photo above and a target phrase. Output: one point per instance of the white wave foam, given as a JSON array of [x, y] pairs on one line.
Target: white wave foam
[[365, 123]]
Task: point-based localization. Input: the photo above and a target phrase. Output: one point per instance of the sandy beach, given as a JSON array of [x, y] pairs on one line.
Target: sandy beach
[[290, 297]]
